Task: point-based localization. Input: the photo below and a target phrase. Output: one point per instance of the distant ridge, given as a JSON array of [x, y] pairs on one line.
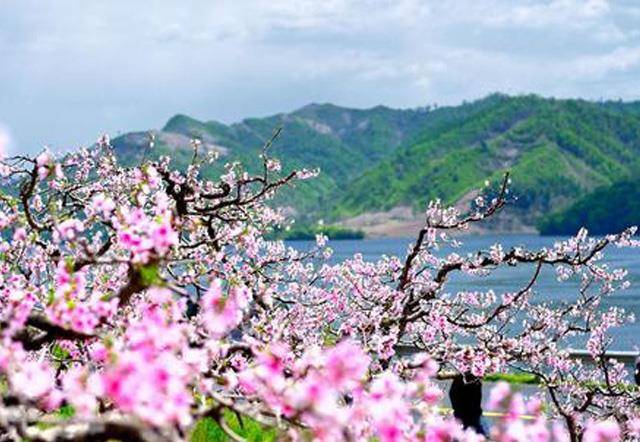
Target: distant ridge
[[378, 159]]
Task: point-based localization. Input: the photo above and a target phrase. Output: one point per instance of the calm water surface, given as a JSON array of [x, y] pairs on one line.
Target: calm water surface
[[513, 278]]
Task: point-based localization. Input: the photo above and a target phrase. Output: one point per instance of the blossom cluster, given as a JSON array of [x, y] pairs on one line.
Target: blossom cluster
[[152, 297]]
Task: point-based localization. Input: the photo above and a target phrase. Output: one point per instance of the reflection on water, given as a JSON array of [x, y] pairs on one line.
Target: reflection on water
[[513, 278]]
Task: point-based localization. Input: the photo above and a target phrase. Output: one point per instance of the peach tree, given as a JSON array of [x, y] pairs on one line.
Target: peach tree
[[148, 298]]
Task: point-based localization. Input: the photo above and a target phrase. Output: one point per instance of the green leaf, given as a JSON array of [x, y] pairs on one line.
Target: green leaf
[[150, 275], [59, 352], [66, 412]]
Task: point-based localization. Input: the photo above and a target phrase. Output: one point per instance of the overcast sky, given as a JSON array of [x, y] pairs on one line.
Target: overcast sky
[[70, 70]]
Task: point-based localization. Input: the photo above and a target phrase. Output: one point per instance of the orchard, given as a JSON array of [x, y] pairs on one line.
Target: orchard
[[143, 300]]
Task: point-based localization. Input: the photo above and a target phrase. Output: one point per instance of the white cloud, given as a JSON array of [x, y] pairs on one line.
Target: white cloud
[[540, 14], [612, 34], [73, 70], [619, 60], [342, 15]]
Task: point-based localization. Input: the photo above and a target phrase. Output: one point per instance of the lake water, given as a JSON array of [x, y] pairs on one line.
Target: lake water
[[513, 278]]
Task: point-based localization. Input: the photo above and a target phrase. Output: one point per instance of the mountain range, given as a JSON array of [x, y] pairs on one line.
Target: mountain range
[[380, 166]]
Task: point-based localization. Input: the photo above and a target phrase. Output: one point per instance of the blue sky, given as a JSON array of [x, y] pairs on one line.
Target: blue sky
[[70, 70]]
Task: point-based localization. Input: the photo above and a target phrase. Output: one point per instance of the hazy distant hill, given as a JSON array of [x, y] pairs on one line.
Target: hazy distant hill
[[377, 161]]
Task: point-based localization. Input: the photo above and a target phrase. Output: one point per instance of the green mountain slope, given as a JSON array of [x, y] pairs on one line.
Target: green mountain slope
[[608, 209], [377, 159], [557, 150], [342, 142]]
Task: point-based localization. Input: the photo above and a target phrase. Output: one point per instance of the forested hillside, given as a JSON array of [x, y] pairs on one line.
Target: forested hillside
[[378, 159], [608, 209], [341, 142]]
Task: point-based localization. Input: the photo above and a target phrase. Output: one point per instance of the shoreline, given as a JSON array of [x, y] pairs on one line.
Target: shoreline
[[403, 222]]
